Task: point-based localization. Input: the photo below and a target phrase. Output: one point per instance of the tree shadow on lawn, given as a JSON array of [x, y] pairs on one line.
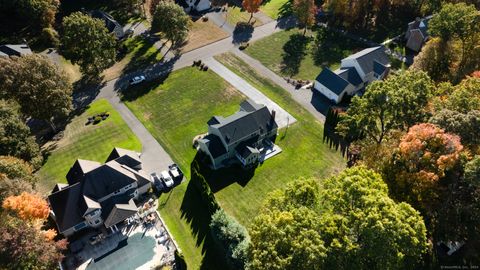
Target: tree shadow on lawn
[[330, 47], [294, 53], [197, 212], [242, 33]]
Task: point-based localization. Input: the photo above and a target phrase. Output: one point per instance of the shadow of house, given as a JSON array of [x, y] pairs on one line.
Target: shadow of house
[[197, 209]]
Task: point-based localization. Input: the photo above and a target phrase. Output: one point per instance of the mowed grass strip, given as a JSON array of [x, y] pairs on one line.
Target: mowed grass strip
[[289, 53], [175, 111], [276, 8], [91, 142], [304, 154]]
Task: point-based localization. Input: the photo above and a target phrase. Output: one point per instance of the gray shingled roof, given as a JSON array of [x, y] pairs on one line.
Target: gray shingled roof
[[68, 206], [332, 81], [117, 209], [366, 57], [14, 50], [251, 118], [350, 75], [378, 68], [215, 145]]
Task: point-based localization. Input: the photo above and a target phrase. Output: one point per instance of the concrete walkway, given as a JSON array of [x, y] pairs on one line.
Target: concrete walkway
[[303, 96], [282, 117], [154, 157]]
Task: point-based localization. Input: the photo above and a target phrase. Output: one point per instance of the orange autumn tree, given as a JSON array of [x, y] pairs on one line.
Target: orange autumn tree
[[423, 157], [27, 206], [251, 6]]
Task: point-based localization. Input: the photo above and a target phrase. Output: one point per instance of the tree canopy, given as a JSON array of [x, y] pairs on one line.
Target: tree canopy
[[395, 103], [251, 6], [87, 42], [15, 138], [14, 167], [350, 222], [465, 125], [305, 10], [171, 20], [40, 87]]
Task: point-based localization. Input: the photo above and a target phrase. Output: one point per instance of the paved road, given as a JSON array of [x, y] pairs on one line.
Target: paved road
[[303, 96], [282, 117], [154, 157]]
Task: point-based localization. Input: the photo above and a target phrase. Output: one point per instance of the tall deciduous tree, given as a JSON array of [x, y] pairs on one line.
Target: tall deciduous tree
[[465, 125], [15, 138], [24, 246], [305, 10], [40, 87], [395, 103], [464, 97], [14, 167], [458, 21], [87, 42], [37, 13], [350, 223], [251, 6], [435, 59], [27, 206], [171, 20], [425, 154]]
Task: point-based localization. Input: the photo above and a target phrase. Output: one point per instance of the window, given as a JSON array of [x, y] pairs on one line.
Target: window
[[79, 226], [97, 221]]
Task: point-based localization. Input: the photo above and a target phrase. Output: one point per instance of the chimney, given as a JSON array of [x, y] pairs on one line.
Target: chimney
[[273, 114]]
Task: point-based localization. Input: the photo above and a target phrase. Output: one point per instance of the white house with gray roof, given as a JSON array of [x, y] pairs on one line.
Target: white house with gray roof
[[355, 73], [14, 50], [99, 194], [417, 33], [239, 138]]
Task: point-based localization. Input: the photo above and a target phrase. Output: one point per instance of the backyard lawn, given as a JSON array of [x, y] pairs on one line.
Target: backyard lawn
[[276, 8], [92, 142], [178, 109], [174, 112], [290, 54], [237, 14]]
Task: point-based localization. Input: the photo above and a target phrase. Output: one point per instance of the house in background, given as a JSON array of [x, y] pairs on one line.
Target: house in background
[[194, 5], [355, 73], [417, 33], [99, 194], [14, 50], [112, 25], [243, 137]]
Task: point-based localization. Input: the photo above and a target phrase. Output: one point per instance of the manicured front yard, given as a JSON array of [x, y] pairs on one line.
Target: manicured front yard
[[91, 142], [141, 52], [289, 53], [202, 33], [237, 14], [276, 8], [304, 154], [174, 112], [177, 109]]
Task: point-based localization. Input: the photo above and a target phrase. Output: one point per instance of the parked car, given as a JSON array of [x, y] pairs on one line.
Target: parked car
[[137, 80], [157, 182], [175, 172], [167, 179]]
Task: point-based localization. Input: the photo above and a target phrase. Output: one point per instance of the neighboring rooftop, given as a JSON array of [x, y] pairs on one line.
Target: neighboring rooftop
[[14, 50], [366, 57], [332, 81]]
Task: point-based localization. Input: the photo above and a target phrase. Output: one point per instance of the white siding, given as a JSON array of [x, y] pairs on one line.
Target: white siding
[[326, 92]]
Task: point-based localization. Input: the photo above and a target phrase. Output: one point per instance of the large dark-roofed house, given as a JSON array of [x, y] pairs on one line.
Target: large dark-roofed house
[[99, 194], [240, 137], [356, 72]]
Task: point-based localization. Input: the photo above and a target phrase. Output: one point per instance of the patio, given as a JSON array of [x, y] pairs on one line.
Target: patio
[[142, 242]]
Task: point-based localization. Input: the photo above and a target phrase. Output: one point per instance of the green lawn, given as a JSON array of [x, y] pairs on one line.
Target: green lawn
[[177, 109], [289, 53], [141, 53], [92, 142], [236, 14], [304, 154], [276, 8], [174, 112]]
